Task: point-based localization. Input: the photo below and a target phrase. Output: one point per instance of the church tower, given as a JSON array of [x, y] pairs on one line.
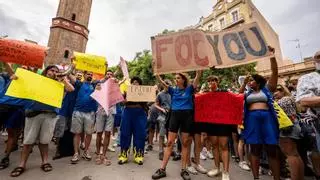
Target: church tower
[[69, 30]]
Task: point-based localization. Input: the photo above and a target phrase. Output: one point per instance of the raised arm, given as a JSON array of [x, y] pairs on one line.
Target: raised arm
[[197, 79], [272, 83], [162, 82]]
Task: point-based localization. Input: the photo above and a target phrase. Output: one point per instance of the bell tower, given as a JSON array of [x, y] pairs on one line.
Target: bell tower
[[69, 30]]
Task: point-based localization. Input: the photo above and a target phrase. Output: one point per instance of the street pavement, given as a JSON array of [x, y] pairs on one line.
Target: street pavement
[[88, 170]]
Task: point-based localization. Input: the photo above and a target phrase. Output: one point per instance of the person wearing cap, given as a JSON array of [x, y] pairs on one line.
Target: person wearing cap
[[39, 125], [308, 96]]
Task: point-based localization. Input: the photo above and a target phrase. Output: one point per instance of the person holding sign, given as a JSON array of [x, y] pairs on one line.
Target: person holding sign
[[219, 135], [39, 125], [181, 120], [11, 113], [133, 123], [260, 119]]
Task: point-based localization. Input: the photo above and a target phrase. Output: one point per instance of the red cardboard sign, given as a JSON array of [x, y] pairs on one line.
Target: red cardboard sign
[[20, 52], [219, 108]]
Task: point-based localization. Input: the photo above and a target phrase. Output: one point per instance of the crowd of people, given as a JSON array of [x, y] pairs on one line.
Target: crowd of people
[[171, 120]]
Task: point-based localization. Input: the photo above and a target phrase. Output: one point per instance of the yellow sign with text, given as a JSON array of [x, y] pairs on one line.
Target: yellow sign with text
[[92, 63], [33, 86]]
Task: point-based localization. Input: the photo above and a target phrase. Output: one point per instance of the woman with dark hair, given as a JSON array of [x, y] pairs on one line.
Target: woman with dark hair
[[181, 120], [133, 123], [289, 137], [261, 128], [218, 135]]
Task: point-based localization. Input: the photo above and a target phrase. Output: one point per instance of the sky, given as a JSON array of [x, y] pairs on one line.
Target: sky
[[124, 27]]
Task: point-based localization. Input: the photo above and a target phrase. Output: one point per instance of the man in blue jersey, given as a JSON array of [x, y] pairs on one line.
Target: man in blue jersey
[[39, 125]]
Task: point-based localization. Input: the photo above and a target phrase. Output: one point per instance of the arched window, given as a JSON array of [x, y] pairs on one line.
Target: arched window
[[73, 17], [66, 54]]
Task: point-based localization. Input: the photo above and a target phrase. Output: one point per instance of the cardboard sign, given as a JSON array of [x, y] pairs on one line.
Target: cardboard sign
[[124, 68], [33, 86], [219, 108], [141, 93], [108, 95], [192, 50], [92, 63], [20, 52]]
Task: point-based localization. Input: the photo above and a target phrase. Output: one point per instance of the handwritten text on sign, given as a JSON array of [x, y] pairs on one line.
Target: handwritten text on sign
[[20, 52], [108, 95], [194, 49], [33, 86], [92, 63], [219, 108], [141, 93]]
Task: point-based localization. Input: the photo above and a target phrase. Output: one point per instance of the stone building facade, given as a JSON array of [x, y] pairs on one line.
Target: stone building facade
[[69, 30], [233, 13]]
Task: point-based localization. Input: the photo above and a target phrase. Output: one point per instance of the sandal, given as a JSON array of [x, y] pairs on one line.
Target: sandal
[[106, 161], [98, 160], [46, 167], [4, 163], [17, 171]]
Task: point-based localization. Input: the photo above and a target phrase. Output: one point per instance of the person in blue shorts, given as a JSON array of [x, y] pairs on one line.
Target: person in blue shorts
[[261, 128]]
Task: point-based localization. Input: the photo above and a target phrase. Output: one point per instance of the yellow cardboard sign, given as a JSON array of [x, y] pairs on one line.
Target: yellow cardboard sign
[[33, 86], [92, 63]]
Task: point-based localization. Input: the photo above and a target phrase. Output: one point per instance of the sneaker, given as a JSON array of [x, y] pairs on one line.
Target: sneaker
[[203, 156], [123, 157], [201, 169], [213, 172], [138, 158], [111, 149], [75, 158], [209, 155], [115, 145], [192, 170], [86, 156], [4, 133], [225, 176], [160, 173], [243, 165], [161, 154], [185, 175], [149, 148], [176, 157], [237, 159]]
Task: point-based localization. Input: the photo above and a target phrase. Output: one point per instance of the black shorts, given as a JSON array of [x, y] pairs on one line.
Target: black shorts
[[181, 119], [214, 129]]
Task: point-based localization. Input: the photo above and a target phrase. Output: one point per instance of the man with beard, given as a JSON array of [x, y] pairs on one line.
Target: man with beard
[[83, 115], [39, 125]]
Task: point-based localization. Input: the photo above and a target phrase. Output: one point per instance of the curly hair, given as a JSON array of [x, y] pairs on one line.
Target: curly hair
[[139, 80], [261, 81]]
